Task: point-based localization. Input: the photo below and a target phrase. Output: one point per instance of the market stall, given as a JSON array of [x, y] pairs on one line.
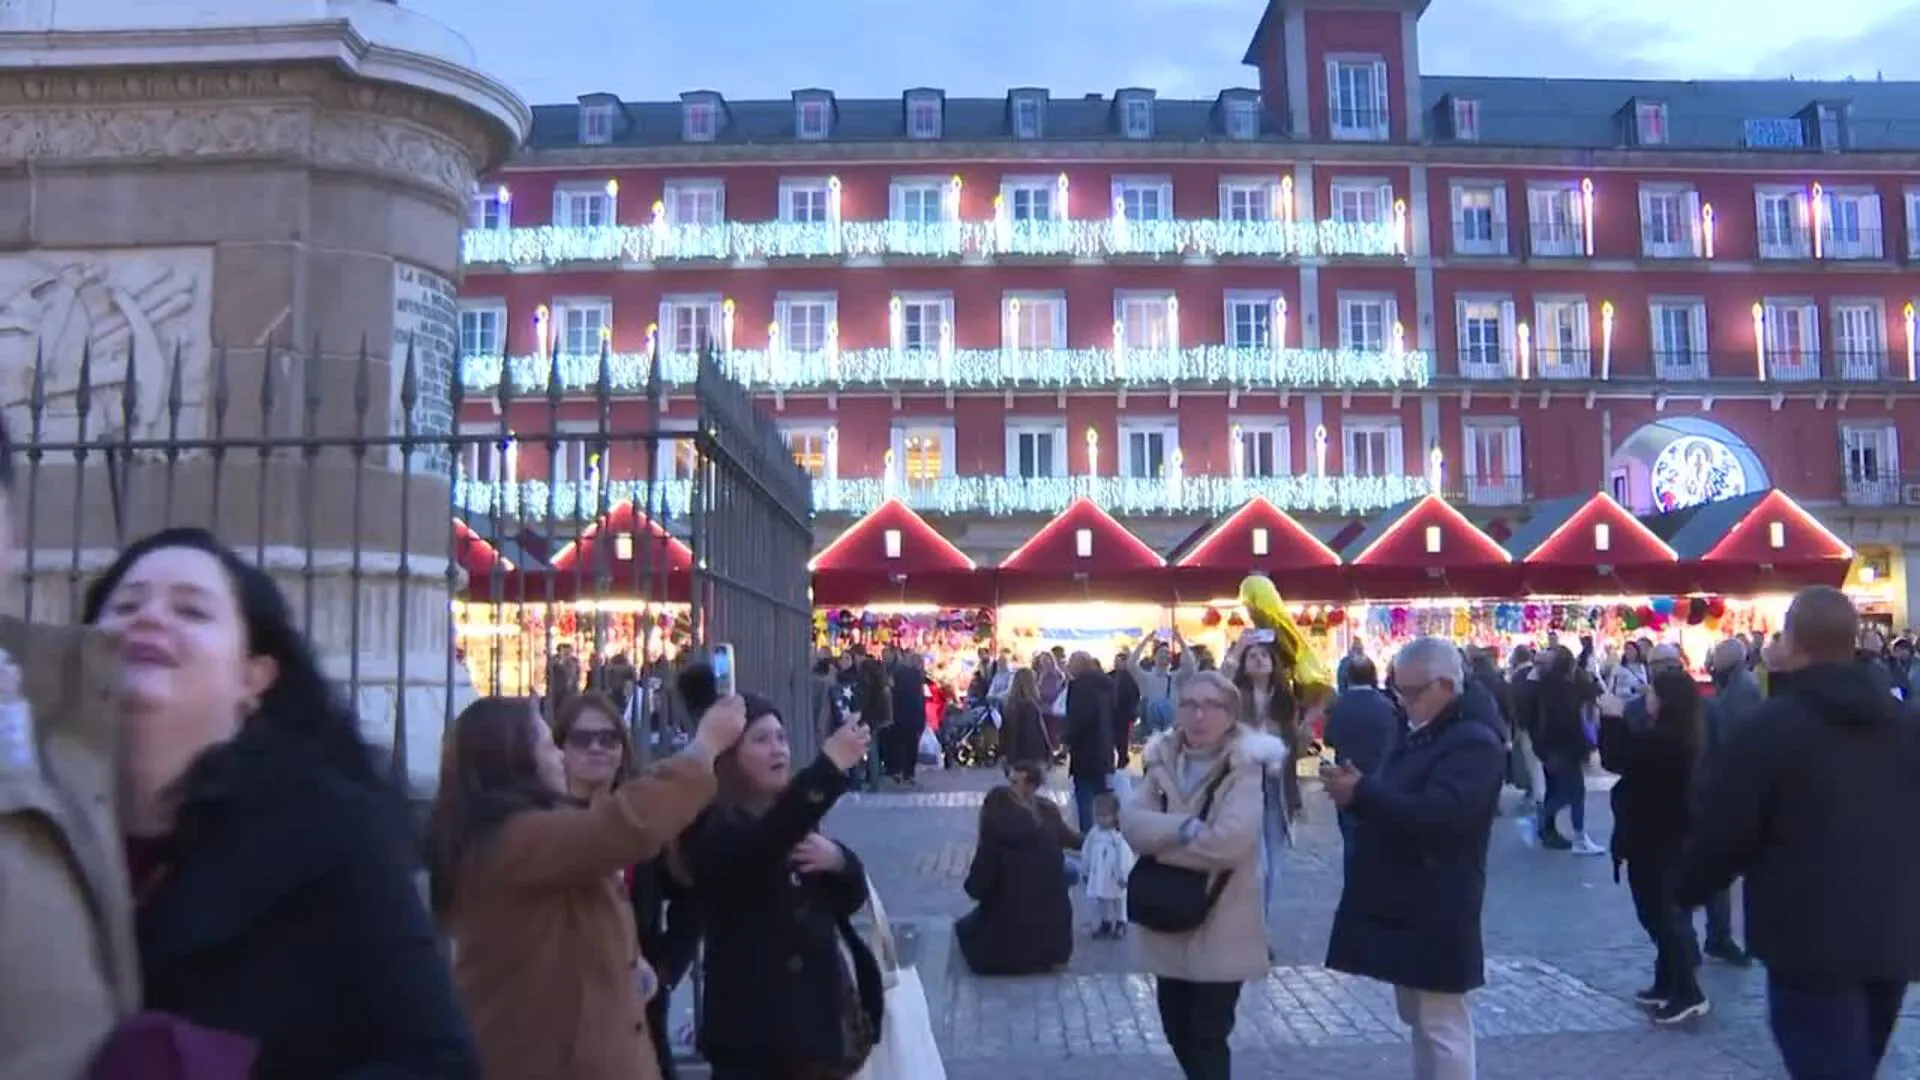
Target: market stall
[[1258, 538], [1083, 555], [1427, 549], [1592, 547], [1755, 544], [893, 556]]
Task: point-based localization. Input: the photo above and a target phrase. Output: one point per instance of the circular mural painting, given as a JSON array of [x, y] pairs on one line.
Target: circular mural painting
[[1695, 469]]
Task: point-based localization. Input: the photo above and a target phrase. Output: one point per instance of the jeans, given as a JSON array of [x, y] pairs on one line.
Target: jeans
[[1566, 789], [1085, 789], [1720, 919], [1676, 963], [1832, 1032], [1196, 1018]]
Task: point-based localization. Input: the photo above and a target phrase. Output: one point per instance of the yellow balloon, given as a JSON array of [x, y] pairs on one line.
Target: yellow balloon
[[1267, 611]]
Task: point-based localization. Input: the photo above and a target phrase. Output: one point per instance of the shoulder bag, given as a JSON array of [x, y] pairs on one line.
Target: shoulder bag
[[1174, 899]]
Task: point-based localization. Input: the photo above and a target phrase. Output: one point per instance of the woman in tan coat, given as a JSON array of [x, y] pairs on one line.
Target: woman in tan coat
[[1198, 974], [530, 886]]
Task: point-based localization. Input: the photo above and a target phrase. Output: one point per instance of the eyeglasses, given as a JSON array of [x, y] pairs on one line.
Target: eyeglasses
[[1408, 693], [601, 739], [1195, 705]]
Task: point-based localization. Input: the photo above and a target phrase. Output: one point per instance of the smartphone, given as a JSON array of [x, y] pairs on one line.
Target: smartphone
[[1263, 637], [721, 656]]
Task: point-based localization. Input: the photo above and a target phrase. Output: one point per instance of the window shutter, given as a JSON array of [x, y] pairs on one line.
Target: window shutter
[[1515, 461], [1810, 314], [1697, 315], [1500, 218], [1382, 109], [1870, 225], [1583, 329], [1385, 195], [1694, 227], [1390, 307], [1114, 199], [896, 202], [1460, 328], [1646, 216], [1011, 467], [1225, 189], [1333, 94], [560, 216], [719, 203], [1802, 216]]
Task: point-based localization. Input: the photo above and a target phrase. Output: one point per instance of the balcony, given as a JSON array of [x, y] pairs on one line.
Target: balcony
[[1681, 365], [1862, 365], [1482, 235], [554, 246], [1491, 489], [1556, 239], [1678, 240], [1843, 243], [996, 496], [1872, 489], [1779, 243]]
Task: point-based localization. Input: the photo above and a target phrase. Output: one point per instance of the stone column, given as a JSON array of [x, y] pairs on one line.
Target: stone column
[[220, 216]]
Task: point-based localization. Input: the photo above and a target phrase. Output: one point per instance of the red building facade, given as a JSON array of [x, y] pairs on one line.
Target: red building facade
[[1346, 288]]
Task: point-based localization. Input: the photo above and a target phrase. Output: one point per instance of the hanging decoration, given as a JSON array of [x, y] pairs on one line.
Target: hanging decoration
[[926, 631]]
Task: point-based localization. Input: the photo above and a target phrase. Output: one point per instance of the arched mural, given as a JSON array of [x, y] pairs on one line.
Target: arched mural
[[1673, 464]]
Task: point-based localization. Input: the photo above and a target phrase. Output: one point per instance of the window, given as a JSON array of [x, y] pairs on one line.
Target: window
[[1782, 217], [1562, 330], [492, 457], [483, 330], [1480, 219], [1030, 198], [1650, 123], [1147, 448], [1250, 320], [1362, 202], [1913, 222], [490, 211], [1357, 98], [1827, 122], [573, 454], [677, 459], [1146, 321], [1029, 114], [919, 202], [582, 208], [922, 315], [1851, 224], [695, 202], [1036, 451], [813, 118], [923, 116], [1669, 219], [805, 202], [1493, 464], [690, 324], [584, 326], [1144, 200], [596, 124], [1792, 339], [1679, 332], [1554, 219], [811, 447], [1248, 200], [1243, 118], [1372, 448], [803, 319], [922, 453], [700, 121], [1870, 454], [1034, 321], [1137, 117], [1466, 119], [1860, 339], [1486, 329], [1366, 321], [1264, 452]]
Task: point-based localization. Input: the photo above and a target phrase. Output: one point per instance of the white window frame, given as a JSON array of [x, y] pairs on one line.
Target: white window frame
[[1482, 488], [1881, 486], [596, 124], [1797, 244], [1359, 188], [784, 305], [812, 188], [1395, 443], [1161, 188], [667, 451], [1390, 314], [1258, 193], [1029, 118], [1828, 120], [1691, 243], [563, 205], [1242, 118], [1572, 358], [1696, 363], [1505, 327], [1168, 430], [562, 340], [1256, 299], [920, 429], [898, 190], [673, 190], [1866, 202], [1375, 123], [812, 119], [1056, 320], [1541, 234], [919, 298], [1912, 196], [569, 450], [927, 105], [1136, 116], [1466, 119], [496, 310], [1277, 429], [829, 455], [699, 120], [672, 304], [1650, 124], [1852, 360], [498, 453], [486, 205], [1058, 466], [1773, 321], [1125, 298], [1497, 243], [1047, 186]]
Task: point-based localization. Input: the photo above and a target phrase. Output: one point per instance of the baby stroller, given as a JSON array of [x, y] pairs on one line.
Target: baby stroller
[[971, 738]]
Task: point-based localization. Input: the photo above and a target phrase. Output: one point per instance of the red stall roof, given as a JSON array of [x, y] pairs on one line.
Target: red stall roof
[[1426, 547], [1258, 536], [1582, 545], [892, 539], [475, 554], [1776, 530], [668, 555], [1083, 542]]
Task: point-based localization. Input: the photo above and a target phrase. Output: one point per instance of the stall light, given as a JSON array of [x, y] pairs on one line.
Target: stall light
[[1776, 535], [1083, 543], [1093, 452], [623, 547], [1867, 573], [1816, 219], [727, 311], [1287, 207], [1433, 539], [1524, 336], [1320, 449], [1602, 536], [1586, 213], [1239, 452], [1606, 340], [1706, 230], [1262, 542], [1760, 341], [1913, 345], [891, 538]]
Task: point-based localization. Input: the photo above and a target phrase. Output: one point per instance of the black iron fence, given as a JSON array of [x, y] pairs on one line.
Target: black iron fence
[[378, 495]]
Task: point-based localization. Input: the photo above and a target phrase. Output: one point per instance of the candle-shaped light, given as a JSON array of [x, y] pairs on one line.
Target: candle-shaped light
[[504, 196], [1401, 241], [1320, 449], [1523, 336], [1399, 343], [896, 325], [659, 233], [1913, 347], [726, 325], [953, 200], [1287, 208], [653, 338], [1706, 230], [833, 350], [542, 329], [1586, 214], [1060, 192], [1760, 341], [1002, 224], [1436, 465], [833, 454], [1279, 324], [1174, 462], [1606, 339], [1119, 348], [889, 481], [1173, 324], [775, 359], [946, 350], [1816, 219], [834, 194], [1239, 451], [1093, 451], [1118, 223], [512, 461]]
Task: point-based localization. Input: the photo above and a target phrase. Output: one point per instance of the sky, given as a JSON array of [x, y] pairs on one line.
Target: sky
[[555, 50]]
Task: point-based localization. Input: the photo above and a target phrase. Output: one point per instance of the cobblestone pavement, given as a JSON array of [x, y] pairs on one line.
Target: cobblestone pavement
[[1565, 955]]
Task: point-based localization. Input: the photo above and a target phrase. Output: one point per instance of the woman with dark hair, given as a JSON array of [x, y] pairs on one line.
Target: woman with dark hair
[[790, 990], [1560, 739], [873, 706], [531, 885], [1022, 922], [1652, 812], [1023, 725], [270, 860]]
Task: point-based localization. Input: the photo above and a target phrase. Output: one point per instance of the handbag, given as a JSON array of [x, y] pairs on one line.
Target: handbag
[[906, 1050], [1174, 899]]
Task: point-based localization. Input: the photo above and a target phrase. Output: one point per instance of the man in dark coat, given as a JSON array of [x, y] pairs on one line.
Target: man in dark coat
[[1812, 803], [1736, 696], [1409, 914], [1088, 733], [1126, 710], [909, 714], [1361, 725]]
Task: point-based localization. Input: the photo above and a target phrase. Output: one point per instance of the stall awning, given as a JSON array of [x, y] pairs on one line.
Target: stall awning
[[1258, 538], [1583, 546], [1080, 546], [894, 556], [1759, 542], [1426, 548]]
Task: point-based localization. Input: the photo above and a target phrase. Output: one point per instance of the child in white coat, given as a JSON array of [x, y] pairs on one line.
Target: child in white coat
[[1106, 860]]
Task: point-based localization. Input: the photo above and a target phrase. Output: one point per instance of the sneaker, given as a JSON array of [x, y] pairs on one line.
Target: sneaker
[[1682, 1009], [1585, 846], [1729, 953]]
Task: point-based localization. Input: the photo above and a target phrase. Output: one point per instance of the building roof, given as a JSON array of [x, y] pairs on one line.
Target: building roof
[[1547, 518]]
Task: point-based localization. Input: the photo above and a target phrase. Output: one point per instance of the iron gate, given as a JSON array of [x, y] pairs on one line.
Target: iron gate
[[441, 532]]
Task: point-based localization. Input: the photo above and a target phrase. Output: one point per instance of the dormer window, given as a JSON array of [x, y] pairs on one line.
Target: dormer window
[[1826, 124], [700, 119], [1029, 115], [1136, 117], [1466, 119], [596, 124], [1650, 123], [923, 115], [1243, 118], [813, 118]]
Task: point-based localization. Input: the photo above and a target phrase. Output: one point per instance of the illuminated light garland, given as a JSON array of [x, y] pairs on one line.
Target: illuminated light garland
[[1218, 365], [549, 245], [996, 496]]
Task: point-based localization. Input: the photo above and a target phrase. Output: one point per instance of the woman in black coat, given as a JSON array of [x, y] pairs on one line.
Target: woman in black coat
[[1560, 742], [1652, 806], [1023, 725], [1023, 924]]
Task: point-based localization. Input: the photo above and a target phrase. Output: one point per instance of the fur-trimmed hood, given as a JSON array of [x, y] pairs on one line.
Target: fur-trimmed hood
[[1245, 746]]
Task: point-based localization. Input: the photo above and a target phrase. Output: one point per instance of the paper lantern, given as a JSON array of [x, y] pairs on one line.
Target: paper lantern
[[1336, 616], [1236, 620], [1210, 617]]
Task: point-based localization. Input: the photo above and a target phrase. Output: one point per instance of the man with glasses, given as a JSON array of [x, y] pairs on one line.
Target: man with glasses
[[1409, 914]]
